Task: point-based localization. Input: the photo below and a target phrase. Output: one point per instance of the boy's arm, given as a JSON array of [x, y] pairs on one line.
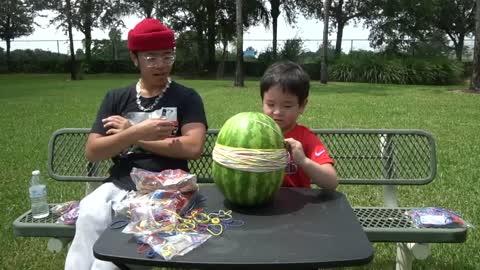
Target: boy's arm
[[323, 175]]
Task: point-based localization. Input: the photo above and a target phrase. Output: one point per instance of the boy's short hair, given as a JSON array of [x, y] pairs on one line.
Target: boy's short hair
[[289, 76]]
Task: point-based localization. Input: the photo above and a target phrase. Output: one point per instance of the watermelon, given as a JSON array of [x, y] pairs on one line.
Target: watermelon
[[249, 130]]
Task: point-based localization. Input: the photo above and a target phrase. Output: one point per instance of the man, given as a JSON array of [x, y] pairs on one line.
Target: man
[[155, 124]]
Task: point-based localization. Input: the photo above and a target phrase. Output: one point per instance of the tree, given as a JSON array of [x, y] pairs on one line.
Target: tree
[[73, 64], [149, 8], [288, 6], [239, 80], [475, 82], [455, 18], [292, 49], [323, 66], [397, 24], [64, 20], [342, 12], [212, 20], [87, 15], [97, 14], [16, 20]]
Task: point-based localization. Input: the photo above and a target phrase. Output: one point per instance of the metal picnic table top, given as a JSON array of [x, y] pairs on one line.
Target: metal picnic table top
[[300, 229]]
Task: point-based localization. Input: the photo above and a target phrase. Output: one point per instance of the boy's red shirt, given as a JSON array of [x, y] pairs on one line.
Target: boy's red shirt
[[313, 149]]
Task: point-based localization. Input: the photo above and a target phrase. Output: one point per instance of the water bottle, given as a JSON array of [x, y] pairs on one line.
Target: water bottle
[[38, 196]]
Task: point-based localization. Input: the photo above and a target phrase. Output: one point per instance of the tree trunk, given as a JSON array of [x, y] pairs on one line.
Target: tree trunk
[[475, 82], [73, 65], [211, 31], [275, 12], [88, 31], [459, 47], [338, 43], [221, 65], [323, 66], [114, 50], [202, 57], [9, 61], [88, 45], [8, 39], [239, 65], [147, 6]]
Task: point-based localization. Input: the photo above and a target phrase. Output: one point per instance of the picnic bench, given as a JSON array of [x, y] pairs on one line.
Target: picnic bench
[[362, 157]]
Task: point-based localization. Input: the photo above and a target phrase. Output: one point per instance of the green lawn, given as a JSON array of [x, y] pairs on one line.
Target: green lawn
[[33, 106]]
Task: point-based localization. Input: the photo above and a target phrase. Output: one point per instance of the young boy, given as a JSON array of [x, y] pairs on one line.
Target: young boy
[[284, 90]]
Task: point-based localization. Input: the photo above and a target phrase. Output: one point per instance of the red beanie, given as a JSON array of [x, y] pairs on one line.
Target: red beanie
[[150, 35]]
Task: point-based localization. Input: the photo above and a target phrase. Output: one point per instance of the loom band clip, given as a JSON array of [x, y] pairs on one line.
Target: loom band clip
[[118, 224], [221, 216], [225, 215], [185, 227], [201, 218], [215, 232], [186, 222]]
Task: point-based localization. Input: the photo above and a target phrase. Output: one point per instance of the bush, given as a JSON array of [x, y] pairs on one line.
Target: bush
[[379, 68]]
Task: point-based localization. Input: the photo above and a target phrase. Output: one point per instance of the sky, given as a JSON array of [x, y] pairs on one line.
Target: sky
[[45, 36]]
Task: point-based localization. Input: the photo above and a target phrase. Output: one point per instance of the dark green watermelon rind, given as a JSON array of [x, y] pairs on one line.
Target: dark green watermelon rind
[[247, 188], [256, 137], [242, 187]]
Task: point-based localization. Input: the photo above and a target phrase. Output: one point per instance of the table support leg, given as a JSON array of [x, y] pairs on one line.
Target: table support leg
[[55, 245]]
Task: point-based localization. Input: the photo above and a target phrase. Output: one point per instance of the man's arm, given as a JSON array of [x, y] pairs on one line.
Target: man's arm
[[100, 147], [187, 146]]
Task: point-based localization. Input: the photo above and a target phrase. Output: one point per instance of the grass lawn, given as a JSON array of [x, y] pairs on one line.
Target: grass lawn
[[33, 106]]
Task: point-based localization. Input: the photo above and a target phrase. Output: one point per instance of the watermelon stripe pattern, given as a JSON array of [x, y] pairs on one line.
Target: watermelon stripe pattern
[[250, 130]]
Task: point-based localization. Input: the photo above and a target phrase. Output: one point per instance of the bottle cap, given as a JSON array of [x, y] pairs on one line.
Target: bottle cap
[[36, 172]]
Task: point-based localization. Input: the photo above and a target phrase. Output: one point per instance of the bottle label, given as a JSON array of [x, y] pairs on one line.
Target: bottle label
[[38, 191]]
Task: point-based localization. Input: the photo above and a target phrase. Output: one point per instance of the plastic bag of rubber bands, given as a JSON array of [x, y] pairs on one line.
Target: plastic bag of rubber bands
[[174, 245], [436, 217], [154, 212], [147, 181]]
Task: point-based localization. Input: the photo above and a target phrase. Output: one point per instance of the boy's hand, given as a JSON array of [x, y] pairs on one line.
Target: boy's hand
[[115, 124], [296, 150]]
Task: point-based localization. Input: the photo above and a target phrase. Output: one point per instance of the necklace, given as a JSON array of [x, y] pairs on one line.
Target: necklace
[[157, 99]]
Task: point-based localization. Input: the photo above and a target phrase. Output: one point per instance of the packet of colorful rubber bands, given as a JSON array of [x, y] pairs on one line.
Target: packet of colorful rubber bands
[[147, 181], [436, 217], [174, 245], [67, 211], [157, 212]]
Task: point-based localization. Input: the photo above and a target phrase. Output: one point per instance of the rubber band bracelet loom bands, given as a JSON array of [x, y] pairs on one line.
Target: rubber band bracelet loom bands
[[251, 160]]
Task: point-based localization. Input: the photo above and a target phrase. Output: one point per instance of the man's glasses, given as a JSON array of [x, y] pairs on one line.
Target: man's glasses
[[153, 61]]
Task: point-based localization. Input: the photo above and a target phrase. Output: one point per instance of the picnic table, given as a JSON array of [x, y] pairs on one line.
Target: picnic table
[[301, 229]]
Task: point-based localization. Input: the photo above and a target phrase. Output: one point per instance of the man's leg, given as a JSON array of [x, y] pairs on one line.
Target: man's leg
[[94, 216]]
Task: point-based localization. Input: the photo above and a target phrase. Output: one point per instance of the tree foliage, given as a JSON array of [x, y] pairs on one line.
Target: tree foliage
[[399, 25], [342, 13], [16, 20]]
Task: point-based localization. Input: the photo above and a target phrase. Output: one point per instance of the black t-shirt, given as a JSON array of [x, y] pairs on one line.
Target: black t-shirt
[[177, 103]]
